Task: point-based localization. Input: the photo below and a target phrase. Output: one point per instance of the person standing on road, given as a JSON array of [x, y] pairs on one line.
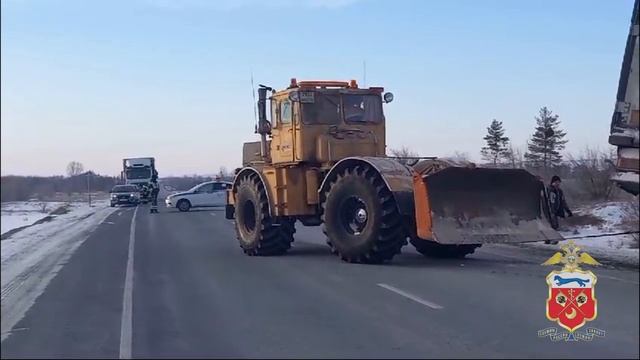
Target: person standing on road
[[557, 203], [155, 189]]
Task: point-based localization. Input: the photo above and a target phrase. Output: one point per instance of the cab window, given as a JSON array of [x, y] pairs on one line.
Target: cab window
[[321, 109], [285, 112], [274, 111], [362, 108]]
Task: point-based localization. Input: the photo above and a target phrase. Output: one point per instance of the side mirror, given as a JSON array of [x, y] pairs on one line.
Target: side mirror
[[388, 97]]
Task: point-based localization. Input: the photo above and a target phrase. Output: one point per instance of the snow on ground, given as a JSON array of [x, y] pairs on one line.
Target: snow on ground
[[612, 217], [16, 214], [31, 257]]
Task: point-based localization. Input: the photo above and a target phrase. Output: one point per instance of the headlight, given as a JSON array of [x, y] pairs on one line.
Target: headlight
[[113, 196]]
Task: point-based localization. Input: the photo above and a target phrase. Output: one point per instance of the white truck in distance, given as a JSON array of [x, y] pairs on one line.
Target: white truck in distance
[[139, 171]]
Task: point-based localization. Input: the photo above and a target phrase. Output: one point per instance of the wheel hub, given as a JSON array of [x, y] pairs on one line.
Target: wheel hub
[[353, 215], [361, 216]]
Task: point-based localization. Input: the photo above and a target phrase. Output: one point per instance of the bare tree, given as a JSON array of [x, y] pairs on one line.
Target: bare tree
[[514, 156], [75, 168], [459, 157], [404, 154], [222, 172], [592, 169]]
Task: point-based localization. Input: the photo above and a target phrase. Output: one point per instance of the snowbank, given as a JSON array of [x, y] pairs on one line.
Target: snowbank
[[31, 257], [16, 214], [612, 217]]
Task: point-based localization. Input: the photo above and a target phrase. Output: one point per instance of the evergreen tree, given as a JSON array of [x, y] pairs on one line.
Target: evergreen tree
[[547, 141], [497, 144]]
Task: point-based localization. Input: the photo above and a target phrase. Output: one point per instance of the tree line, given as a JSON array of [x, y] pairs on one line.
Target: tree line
[[21, 188], [79, 181], [543, 148], [587, 174]]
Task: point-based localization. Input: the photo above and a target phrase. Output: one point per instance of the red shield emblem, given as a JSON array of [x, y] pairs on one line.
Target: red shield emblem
[[572, 300]]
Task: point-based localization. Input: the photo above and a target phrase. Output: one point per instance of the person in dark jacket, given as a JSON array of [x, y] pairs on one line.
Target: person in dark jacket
[[557, 204], [557, 201], [155, 189]]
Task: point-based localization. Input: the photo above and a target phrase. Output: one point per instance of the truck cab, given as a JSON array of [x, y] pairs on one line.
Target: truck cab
[[321, 122], [138, 171]]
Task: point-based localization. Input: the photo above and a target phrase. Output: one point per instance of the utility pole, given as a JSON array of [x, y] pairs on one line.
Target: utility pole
[[89, 186]]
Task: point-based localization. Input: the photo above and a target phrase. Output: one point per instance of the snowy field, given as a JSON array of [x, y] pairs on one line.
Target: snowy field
[[16, 214], [31, 257], [606, 218]]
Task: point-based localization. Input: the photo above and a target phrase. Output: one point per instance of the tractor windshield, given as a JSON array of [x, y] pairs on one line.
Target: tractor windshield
[[321, 109], [362, 108], [329, 109]]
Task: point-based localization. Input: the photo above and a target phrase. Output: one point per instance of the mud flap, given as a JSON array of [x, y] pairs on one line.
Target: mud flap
[[482, 205]]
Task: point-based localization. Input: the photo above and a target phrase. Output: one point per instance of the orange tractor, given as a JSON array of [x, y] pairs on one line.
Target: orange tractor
[[321, 161]]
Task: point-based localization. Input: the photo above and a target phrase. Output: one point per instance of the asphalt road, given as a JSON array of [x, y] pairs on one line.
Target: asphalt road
[[193, 293]]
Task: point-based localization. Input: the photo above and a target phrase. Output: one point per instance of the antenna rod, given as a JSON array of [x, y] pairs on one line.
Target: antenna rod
[[364, 68], [255, 109]]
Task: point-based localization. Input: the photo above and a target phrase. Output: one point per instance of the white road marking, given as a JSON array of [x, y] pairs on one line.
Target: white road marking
[[213, 214], [126, 324], [412, 297], [119, 213], [14, 330], [109, 222]]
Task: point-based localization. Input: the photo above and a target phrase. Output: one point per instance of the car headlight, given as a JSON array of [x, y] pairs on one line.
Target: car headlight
[[114, 196]]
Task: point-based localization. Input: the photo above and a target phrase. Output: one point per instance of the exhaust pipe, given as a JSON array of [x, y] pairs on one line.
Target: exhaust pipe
[[264, 128]]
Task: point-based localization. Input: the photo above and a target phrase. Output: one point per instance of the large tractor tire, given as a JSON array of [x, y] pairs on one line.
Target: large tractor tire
[[433, 249], [361, 218], [256, 232]]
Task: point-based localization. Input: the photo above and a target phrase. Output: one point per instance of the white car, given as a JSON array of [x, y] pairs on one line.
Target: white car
[[211, 193]]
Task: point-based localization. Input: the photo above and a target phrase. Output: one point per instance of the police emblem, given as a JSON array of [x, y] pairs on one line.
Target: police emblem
[[572, 301]]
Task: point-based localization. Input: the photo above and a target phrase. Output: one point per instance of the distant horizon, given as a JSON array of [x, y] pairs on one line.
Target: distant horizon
[[107, 175]]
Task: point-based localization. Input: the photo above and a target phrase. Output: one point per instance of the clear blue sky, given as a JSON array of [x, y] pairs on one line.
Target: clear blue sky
[[96, 81]]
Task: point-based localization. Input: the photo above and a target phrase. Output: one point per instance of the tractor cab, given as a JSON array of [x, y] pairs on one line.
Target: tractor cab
[[322, 122]]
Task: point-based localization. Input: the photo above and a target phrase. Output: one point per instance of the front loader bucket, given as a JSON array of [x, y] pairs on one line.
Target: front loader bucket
[[469, 205]]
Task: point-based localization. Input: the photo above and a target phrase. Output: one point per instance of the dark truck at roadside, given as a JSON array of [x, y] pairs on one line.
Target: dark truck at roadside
[[125, 194]]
